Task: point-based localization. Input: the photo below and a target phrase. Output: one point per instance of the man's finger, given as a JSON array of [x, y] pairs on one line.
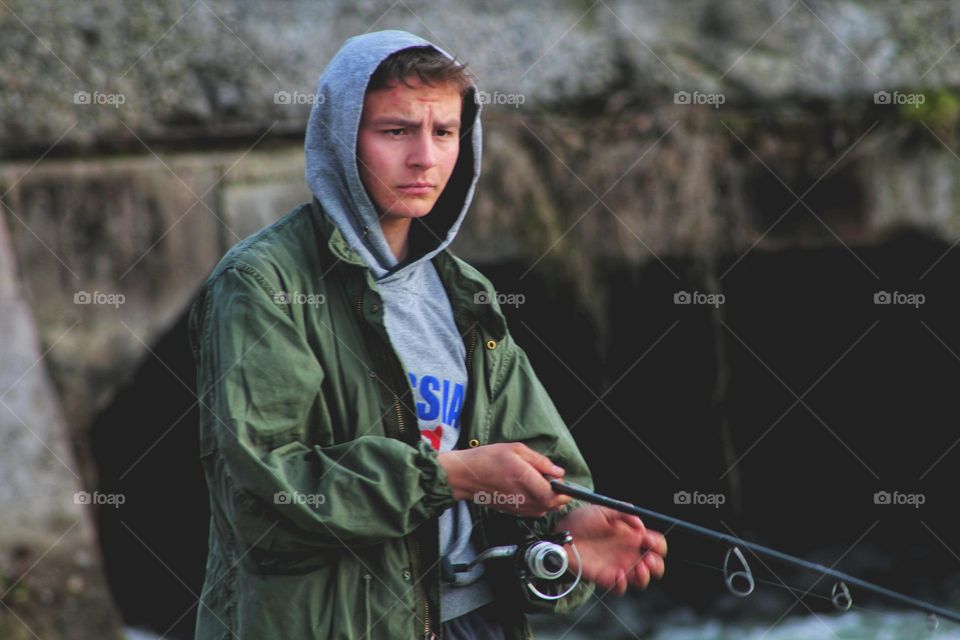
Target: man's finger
[[559, 500], [633, 521], [655, 564], [656, 542], [640, 575], [620, 587]]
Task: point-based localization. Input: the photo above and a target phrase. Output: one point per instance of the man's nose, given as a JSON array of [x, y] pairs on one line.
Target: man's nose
[[424, 153]]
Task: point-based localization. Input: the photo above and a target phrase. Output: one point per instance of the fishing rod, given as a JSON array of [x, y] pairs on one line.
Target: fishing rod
[[741, 581]]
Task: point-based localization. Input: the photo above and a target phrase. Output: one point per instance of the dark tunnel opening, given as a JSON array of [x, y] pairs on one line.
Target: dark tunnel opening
[[877, 387], [145, 446]]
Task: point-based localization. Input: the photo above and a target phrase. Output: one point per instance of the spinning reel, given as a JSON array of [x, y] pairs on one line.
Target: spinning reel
[[535, 558]]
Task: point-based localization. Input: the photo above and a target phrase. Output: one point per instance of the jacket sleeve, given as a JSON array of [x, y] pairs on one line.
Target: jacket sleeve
[[260, 401], [522, 404]]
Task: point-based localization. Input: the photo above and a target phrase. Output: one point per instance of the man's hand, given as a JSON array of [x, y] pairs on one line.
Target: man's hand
[[510, 475], [616, 550]]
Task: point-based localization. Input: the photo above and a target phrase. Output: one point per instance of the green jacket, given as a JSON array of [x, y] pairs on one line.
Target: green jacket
[[324, 497]]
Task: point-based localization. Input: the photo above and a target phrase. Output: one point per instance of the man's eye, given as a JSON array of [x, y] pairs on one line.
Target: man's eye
[[444, 133], [394, 132]]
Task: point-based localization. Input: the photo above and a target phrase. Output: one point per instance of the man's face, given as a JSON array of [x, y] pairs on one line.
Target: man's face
[[407, 146]]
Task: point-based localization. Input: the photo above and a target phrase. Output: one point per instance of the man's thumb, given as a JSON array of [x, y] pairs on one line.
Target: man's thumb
[[541, 463], [547, 467]]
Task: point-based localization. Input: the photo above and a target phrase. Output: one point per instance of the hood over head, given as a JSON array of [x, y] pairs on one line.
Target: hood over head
[[331, 157]]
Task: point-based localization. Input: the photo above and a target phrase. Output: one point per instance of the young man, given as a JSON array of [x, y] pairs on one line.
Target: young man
[[363, 415]]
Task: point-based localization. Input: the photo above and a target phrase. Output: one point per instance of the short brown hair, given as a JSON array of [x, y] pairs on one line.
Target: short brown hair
[[426, 63]]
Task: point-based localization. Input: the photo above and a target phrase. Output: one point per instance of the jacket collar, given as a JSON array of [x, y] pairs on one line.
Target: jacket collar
[[336, 243], [461, 282]]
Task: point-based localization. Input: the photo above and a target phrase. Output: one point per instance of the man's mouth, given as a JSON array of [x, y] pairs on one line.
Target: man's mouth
[[416, 188]]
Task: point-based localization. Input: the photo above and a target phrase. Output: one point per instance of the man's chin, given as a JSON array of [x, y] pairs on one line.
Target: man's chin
[[410, 209]]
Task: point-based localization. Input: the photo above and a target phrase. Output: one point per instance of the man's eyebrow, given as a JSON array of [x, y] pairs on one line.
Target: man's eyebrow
[[404, 122]]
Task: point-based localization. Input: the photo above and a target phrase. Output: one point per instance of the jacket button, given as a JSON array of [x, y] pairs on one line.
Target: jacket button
[[407, 575], [474, 443], [491, 344], [374, 308], [373, 374]]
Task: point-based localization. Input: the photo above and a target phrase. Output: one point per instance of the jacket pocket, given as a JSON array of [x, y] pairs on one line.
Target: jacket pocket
[[273, 563]]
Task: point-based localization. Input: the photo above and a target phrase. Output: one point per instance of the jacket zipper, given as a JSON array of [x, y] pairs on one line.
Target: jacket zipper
[[427, 634], [426, 620], [473, 344], [399, 410]]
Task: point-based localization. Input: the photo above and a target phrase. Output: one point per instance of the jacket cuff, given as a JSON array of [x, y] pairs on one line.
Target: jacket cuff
[[548, 523], [438, 494]]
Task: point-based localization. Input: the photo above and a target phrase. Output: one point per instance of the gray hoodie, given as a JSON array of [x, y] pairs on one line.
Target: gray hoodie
[[417, 312]]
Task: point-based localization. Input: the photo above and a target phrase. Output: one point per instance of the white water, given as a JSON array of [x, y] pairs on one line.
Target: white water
[[848, 626], [684, 625]]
